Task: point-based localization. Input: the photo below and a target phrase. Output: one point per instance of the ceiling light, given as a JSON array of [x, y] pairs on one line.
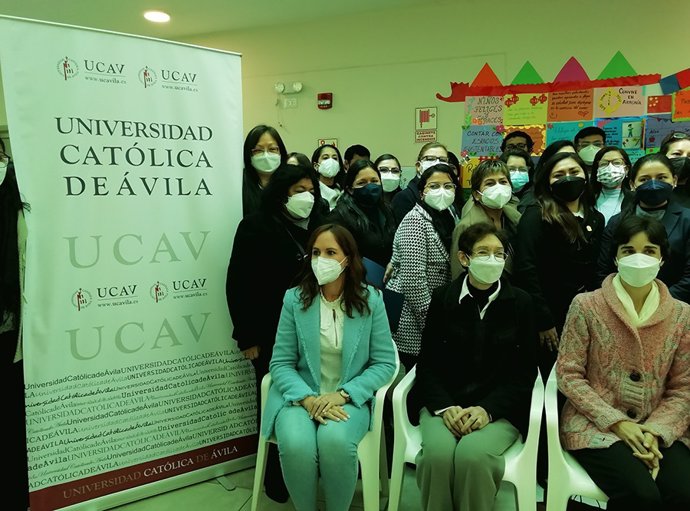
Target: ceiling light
[[157, 16]]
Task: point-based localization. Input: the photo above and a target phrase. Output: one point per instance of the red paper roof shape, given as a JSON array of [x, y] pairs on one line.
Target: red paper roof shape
[[486, 78], [572, 71]]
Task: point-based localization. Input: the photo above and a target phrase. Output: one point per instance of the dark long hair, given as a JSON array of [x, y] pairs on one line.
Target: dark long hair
[[596, 185], [10, 207], [340, 176], [629, 207], [250, 142], [552, 210], [275, 195], [355, 290]]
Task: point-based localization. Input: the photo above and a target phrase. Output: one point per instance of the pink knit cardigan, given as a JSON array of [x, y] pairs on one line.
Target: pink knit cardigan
[[611, 371]]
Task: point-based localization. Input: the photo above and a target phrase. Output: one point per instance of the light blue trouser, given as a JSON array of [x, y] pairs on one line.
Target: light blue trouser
[[461, 475], [308, 449]]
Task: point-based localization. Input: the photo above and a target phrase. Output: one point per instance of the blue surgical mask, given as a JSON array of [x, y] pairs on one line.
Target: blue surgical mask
[[519, 179]]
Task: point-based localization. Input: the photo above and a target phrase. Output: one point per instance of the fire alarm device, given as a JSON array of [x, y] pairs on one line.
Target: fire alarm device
[[324, 100]]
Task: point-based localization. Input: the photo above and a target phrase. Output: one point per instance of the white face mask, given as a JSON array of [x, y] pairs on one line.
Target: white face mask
[[486, 270], [428, 164], [3, 170], [329, 167], [266, 162], [439, 199], [326, 270], [611, 176], [588, 153], [390, 181], [300, 204], [638, 270], [496, 196]]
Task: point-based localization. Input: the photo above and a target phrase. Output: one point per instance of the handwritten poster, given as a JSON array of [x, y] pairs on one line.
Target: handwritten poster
[[525, 109], [619, 101], [483, 110], [681, 105], [481, 140], [564, 130], [657, 127], [467, 170], [570, 105], [624, 132]]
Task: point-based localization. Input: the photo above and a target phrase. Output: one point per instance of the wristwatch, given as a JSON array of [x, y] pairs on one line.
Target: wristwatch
[[345, 395]]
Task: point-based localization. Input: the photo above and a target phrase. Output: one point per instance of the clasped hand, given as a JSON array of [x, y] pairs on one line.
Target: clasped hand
[[325, 407], [463, 421], [643, 441]]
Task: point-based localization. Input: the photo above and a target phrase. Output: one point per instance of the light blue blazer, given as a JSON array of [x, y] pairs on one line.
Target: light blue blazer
[[368, 355]]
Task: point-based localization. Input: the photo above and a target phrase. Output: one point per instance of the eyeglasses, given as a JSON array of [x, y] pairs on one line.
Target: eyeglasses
[[518, 169], [586, 144], [443, 159], [485, 255], [438, 186], [615, 163], [394, 170], [680, 136], [516, 146], [274, 150]]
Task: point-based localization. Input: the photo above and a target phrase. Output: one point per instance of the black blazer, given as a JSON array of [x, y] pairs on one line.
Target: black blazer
[[675, 272], [267, 255], [550, 268], [467, 361]]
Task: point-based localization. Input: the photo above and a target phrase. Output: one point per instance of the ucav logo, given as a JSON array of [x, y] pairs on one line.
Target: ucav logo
[[170, 75]]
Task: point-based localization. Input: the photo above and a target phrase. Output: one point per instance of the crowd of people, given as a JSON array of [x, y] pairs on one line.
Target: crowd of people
[[576, 261]]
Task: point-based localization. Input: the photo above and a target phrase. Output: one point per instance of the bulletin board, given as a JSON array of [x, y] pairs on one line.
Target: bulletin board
[[635, 111]]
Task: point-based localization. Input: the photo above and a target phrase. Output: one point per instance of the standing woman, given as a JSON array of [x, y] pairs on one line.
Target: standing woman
[[610, 180], [12, 263], [263, 152], [557, 246], [493, 202], [652, 180], [329, 164], [333, 352], [559, 146], [676, 147], [267, 255], [390, 170], [420, 259], [624, 365], [362, 210]]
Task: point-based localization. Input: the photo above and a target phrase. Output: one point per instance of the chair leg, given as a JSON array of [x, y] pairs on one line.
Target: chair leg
[[383, 466], [397, 474], [556, 499], [370, 482], [259, 471], [526, 495]]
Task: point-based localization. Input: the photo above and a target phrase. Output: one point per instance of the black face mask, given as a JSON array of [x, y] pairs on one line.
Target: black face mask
[[681, 167], [568, 188], [653, 192], [367, 196]]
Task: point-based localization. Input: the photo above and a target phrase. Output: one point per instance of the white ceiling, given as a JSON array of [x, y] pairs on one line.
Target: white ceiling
[[191, 17]]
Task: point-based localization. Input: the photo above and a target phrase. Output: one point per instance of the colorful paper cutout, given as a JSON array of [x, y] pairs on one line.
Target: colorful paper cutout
[[537, 133], [527, 75], [524, 109], [572, 105], [564, 130], [572, 71], [659, 104], [486, 78], [619, 102], [467, 170], [483, 110], [481, 140], [669, 84], [618, 66], [683, 78], [681, 105]]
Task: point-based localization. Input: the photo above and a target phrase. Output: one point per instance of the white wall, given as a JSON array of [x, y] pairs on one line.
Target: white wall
[[381, 66]]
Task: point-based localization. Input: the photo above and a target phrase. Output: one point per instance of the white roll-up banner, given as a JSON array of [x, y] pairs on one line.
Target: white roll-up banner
[[128, 151]]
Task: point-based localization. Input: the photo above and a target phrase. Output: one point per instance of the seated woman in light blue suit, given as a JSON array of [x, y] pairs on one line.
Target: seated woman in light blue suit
[[333, 351]]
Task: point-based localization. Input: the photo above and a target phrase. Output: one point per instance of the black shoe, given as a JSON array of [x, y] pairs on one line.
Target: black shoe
[[277, 492]]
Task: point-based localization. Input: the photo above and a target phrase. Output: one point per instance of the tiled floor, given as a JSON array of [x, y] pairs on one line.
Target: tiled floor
[[213, 496]]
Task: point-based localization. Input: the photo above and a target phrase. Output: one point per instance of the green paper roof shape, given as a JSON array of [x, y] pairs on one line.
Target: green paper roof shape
[[618, 66], [527, 75]]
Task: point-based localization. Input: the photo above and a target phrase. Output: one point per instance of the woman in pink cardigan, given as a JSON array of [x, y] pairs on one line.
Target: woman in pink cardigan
[[624, 365]]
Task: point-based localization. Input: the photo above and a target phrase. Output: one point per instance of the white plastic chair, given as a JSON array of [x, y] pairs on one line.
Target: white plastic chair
[[520, 458], [566, 476], [371, 451]]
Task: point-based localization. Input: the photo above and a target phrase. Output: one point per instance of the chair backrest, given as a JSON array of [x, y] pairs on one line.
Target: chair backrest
[[553, 440], [411, 435]]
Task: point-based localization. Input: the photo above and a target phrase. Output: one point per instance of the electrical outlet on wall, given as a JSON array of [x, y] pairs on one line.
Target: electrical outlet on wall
[[289, 102]]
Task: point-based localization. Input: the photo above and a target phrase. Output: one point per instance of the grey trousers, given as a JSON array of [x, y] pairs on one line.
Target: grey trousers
[[461, 475]]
